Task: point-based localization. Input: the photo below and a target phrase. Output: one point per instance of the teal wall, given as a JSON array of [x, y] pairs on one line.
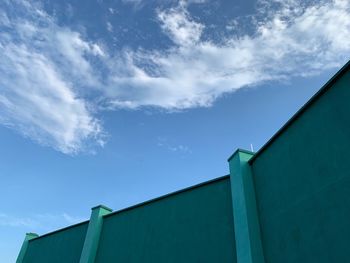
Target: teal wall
[[302, 182], [192, 226], [58, 247]]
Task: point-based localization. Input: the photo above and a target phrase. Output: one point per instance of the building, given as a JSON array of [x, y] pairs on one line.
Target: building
[[289, 202]]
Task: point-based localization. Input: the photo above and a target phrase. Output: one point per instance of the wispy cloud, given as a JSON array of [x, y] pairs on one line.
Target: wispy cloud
[[53, 80], [136, 3], [164, 142], [112, 10], [39, 222], [11, 221], [109, 26]]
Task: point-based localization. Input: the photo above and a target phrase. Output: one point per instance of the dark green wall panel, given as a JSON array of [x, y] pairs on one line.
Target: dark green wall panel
[[63, 246], [302, 182], [192, 226]]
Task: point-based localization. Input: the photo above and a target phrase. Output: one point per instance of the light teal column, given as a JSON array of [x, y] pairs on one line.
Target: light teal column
[[246, 221], [24, 247], [92, 237]]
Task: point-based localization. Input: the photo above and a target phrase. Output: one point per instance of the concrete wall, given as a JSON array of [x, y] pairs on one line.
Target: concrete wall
[[295, 191], [57, 247], [192, 226], [302, 183]]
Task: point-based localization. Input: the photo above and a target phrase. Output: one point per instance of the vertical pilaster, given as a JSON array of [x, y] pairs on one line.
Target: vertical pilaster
[[93, 234], [246, 221], [24, 247]]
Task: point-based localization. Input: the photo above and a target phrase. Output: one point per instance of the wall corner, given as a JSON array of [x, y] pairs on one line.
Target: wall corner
[[93, 233], [245, 214], [24, 247]]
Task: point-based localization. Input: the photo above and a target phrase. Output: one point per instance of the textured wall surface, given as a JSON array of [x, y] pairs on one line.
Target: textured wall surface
[[302, 182], [58, 247], [193, 226]]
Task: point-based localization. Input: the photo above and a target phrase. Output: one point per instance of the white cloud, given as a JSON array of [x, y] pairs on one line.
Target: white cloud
[[39, 65], [112, 10], [53, 79], [109, 27], [182, 29], [292, 39], [180, 148]]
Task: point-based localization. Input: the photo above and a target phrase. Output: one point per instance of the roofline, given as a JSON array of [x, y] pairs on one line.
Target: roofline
[[167, 195], [310, 102], [138, 205], [59, 230]]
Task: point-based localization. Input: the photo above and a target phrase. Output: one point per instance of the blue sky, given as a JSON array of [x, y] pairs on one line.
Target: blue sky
[[116, 102]]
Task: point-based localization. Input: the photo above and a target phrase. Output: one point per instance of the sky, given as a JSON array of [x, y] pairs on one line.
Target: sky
[[117, 102]]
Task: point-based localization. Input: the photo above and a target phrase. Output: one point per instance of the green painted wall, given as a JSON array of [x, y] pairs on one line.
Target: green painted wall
[[58, 247], [302, 182], [302, 191], [192, 226]]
